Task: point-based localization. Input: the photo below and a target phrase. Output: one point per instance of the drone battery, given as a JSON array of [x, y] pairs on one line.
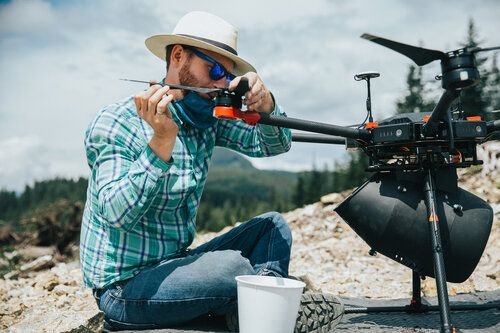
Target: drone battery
[[469, 129], [392, 133]]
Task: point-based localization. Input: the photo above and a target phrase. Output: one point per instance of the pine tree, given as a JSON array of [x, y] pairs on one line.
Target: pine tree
[[474, 100], [493, 90], [299, 197], [414, 101]]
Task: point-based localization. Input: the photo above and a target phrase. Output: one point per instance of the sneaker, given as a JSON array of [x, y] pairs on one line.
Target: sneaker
[[318, 313]]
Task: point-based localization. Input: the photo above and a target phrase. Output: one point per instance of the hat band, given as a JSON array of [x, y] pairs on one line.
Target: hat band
[[214, 43]]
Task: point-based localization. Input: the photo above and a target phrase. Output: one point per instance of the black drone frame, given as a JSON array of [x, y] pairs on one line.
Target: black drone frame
[[416, 145], [338, 135]]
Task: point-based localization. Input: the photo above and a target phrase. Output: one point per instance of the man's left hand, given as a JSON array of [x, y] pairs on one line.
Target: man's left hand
[[258, 98]]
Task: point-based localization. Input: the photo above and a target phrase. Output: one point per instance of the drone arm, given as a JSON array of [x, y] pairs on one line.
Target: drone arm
[[493, 125], [318, 138], [439, 112], [315, 127]]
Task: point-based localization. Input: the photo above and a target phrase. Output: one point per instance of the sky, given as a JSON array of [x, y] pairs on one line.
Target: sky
[[60, 62]]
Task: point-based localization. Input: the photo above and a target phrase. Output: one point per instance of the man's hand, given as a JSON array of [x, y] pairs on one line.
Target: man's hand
[[258, 98], [152, 106]]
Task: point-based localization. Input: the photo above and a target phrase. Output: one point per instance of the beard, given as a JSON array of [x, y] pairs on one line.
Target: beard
[[186, 78]]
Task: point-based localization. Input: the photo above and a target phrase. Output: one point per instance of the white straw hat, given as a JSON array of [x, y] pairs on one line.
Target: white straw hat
[[206, 31]]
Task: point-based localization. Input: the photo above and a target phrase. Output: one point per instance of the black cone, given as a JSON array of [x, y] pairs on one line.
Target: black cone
[[391, 217]]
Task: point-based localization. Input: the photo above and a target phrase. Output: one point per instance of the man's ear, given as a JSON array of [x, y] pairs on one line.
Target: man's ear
[[177, 55]]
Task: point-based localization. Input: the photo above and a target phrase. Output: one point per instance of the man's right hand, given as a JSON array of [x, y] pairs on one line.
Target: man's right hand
[[152, 106]]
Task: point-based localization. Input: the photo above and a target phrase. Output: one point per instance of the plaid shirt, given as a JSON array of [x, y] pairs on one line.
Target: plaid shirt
[[140, 209]]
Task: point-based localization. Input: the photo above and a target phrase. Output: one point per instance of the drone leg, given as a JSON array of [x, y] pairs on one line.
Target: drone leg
[[437, 251], [416, 300]]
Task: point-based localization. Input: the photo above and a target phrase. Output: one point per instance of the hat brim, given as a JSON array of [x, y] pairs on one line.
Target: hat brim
[[157, 44]]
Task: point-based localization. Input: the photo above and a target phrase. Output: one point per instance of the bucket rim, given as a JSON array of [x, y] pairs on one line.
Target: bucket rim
[[242, 279]]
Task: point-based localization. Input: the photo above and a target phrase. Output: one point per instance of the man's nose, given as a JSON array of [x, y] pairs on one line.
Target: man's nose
[[220, 83]]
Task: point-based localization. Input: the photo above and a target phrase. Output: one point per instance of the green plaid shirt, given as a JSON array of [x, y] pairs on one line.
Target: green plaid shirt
[[140, 209]]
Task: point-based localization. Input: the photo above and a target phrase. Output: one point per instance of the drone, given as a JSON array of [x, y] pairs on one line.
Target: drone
[[411, 209]]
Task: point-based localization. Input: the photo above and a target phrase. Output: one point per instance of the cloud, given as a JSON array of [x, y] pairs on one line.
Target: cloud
[[28, 16], [61, 61], [26, 159]]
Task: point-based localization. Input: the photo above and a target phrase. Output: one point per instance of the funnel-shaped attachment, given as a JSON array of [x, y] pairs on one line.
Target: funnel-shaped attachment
[[391, 217]]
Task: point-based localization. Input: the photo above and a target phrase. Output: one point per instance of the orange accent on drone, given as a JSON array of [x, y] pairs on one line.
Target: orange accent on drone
[[371, 125], [433, 218]]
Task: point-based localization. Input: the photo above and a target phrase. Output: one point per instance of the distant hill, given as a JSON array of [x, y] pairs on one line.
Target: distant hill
[[236, 190], [223, 157]]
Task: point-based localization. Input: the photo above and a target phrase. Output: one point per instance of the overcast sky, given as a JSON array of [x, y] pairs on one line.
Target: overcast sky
[[60, 62]]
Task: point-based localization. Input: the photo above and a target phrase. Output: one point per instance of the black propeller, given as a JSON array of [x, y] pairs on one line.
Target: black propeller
[[174, 86], [458, 67], [480, 49], [240, 89], [419, 55]]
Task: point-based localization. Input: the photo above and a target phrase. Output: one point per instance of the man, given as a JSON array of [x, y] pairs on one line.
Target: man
[[149, 157]]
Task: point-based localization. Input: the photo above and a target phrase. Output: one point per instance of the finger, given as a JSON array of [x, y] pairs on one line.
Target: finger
[[252, 79], [258, 93], [141, 99], [234, 83], [254, 104], [162, 106], [153, 101], [256, 90]]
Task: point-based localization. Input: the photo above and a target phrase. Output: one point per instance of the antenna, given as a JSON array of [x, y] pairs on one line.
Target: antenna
[[367, 76]]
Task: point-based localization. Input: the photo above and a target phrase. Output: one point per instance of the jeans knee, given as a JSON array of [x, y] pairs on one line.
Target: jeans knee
[[279, 223], [236, 264]]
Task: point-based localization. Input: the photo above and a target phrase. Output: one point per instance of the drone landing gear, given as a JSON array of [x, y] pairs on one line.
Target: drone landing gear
[[416, 305]]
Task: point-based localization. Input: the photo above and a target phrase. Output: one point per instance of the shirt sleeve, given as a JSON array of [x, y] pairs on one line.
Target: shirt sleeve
[[125, 176], [254, 141]]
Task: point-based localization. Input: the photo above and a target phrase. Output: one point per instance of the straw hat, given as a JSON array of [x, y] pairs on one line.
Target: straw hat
[[205, 31]]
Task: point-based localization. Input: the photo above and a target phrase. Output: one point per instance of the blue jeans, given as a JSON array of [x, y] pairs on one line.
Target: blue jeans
[[200, 281]]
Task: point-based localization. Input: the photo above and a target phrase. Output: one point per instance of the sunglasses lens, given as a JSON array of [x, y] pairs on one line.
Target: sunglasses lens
[[217, 72]]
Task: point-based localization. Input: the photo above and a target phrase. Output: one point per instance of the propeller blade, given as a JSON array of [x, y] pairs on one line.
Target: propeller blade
[[174, 86], [419, 55], [479, 49]]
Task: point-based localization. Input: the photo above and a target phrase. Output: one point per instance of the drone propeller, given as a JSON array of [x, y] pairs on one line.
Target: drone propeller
[[479, 49], [240, 89], [175, 86], [458, 67], [419, 55]]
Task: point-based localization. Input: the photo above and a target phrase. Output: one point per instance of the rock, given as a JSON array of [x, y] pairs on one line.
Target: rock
[[3, 263], [12, 275], [34, 252], [11, 255], [46, 281], [62, 289], [58, 322], [42, 262], [333, 198]]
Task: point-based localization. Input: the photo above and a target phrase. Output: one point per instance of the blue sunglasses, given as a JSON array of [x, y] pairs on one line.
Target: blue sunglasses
[[217, 71]]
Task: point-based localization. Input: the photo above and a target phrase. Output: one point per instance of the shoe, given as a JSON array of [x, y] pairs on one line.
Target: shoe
[[318, 313]]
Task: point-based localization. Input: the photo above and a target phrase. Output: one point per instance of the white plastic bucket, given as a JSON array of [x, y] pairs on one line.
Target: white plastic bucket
[[268, 304]]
